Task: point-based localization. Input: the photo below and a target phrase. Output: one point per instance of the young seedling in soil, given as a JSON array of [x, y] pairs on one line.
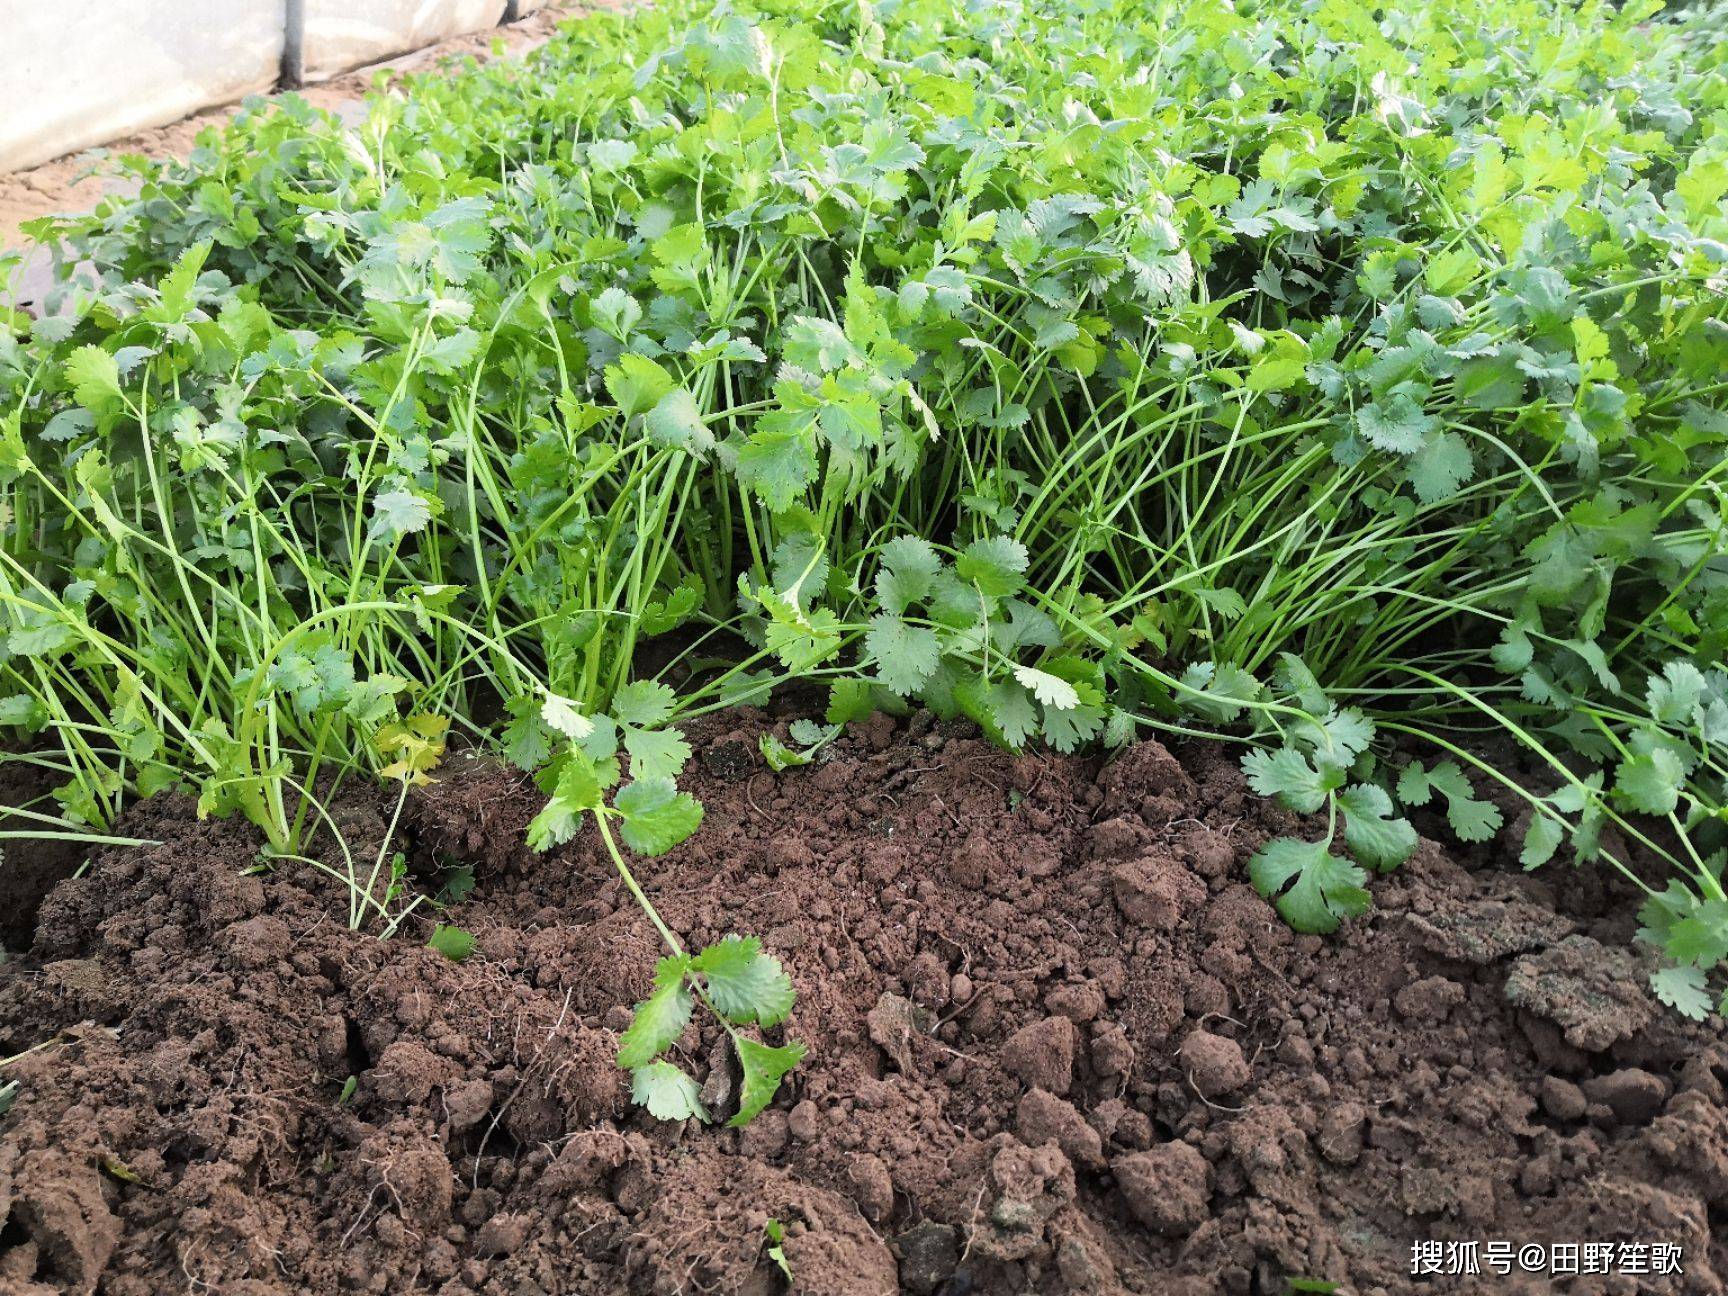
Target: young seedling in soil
[[809, 737], [733, 979], [774, 1233], [413, 748]]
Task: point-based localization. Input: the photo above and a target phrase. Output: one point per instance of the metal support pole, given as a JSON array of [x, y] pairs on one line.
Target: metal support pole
[[293, 74]]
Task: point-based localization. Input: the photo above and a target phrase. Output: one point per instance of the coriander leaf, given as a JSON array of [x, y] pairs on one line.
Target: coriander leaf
[[800, 566], [1374, 835], [615, 311], [748, 688], [450, 353], [22, 709], [659, 1019], [1002, 708], [637, 383], [643, 702], [1415, 788], [94, 376], [810, 734], [397, 513], [778, 755], [657, 816], [802, 642], [373, 701], [1287, 775], [661, 615], [1051, 690], [1347, 735], [1440, 467], [1473, 820], [1683, 989], [995, 565], [849, 701], [576, 788], [458, 884], [1701, 937], [818, 345], [553, 826], [905, 655], [67, 424], [1673, 696], [1326, 889], [578, 784], [1541, 839], [777, 463], [1218, 692], [1068, 729], [1470, 819], [417, 744], [1294, 678], [764, 1067], [1399, 426], [656, 753], [908, 572], [667, 1092], [559, 714], [676, 420], [1489, 383], [452, 942], [1650, 783], [746, 986]]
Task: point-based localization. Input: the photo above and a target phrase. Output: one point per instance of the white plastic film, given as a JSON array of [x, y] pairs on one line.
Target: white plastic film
[[74, 75], [343, 34]]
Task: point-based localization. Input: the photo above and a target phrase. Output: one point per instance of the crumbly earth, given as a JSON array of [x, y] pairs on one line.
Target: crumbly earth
[[1057, 1044]]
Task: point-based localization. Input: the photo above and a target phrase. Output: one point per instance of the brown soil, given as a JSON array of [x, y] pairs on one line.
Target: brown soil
[[1057, 1045], [29, 870]]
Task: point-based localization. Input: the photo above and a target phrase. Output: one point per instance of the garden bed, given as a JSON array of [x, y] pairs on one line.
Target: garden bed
[[1057, 1044]]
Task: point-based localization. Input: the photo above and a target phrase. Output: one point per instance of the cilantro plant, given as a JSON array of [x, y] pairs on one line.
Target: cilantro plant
[[738, 984], [1344, 382]]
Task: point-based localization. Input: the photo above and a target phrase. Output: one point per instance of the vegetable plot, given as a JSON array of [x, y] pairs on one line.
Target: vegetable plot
[[1342, 383]]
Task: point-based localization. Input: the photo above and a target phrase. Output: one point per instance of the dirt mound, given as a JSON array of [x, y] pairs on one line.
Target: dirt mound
[[1057, 1045]]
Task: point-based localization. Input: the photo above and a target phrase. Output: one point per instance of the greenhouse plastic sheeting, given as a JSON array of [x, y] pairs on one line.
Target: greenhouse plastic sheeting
[[342, 34], [77, 75]]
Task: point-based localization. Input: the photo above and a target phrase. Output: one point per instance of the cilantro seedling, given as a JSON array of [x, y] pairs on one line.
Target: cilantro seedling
[[774, 1233], [733, 980], [810, 738]]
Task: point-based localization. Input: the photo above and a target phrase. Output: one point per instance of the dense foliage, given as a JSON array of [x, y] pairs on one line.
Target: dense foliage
[[1338, 379]]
